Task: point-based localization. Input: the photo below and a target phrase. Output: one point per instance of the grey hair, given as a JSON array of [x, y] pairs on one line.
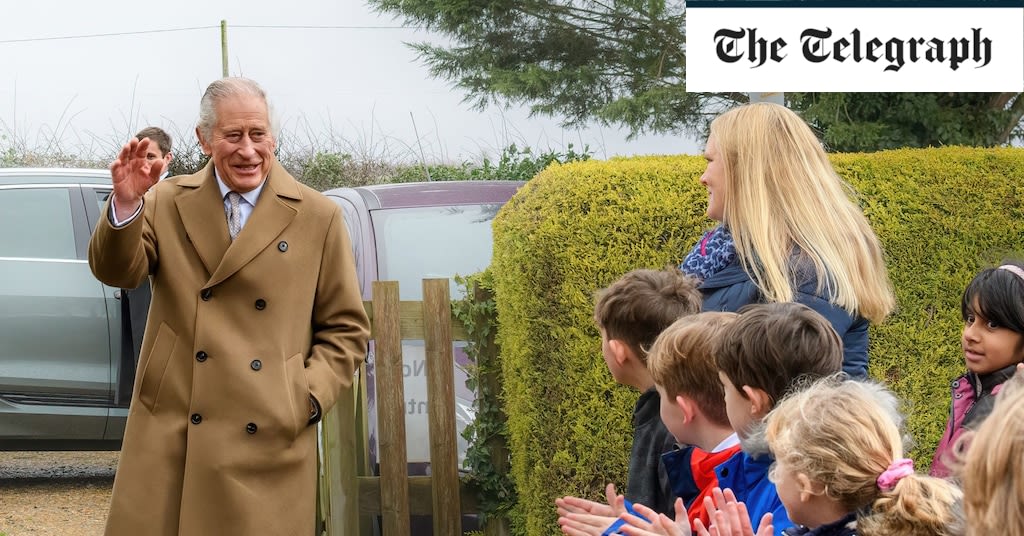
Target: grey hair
[[229, 87]]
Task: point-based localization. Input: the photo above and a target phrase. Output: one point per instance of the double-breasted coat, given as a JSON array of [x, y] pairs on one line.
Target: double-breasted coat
[[240, 335]]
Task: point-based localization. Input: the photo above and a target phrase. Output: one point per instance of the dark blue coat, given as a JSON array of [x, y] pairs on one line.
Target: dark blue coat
[[731, 288], [847, 526], [648, 482]]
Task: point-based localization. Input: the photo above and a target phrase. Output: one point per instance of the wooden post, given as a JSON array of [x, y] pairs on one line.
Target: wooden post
[[444, 461], [394, 483], [341, 503], [350, 497], [224, 47]]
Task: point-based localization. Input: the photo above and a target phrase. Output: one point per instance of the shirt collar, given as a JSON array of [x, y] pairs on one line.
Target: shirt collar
[[251, 196], [730, 441]]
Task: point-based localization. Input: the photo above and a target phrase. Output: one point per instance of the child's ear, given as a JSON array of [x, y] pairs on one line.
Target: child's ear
[[686, 406], [760, 402], [809, 488], [620, 352]]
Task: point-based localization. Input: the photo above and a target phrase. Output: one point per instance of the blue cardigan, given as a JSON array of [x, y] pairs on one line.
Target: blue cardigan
[[731, 288]]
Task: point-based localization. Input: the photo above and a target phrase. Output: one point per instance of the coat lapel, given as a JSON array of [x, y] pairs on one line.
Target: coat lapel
[[201, 210], [269, 218]]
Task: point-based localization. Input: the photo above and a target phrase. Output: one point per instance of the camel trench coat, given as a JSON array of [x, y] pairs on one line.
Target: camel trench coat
[[239, 336]]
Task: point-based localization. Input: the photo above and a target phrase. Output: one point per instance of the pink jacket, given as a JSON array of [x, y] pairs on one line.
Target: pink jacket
[[972, 400]]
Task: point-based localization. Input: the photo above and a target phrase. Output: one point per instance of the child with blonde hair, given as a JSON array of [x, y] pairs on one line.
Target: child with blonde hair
[[993, 344], [840, 471], [993, 470], [840, 467]]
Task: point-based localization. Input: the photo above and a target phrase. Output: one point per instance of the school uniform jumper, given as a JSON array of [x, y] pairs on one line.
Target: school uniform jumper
[[747, 477], [692, 474], [648, 484]]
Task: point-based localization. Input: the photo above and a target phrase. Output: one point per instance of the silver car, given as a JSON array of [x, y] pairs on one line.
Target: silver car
[[64, 381]]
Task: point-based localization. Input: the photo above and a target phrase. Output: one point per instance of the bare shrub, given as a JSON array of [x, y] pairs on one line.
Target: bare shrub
[[320, 158]]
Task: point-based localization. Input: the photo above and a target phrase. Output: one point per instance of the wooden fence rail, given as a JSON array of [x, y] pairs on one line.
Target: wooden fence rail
[[350, 495]]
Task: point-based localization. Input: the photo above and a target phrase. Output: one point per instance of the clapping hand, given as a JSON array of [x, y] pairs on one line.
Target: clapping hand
[[729, 517], [660, 524], [132, 174], [582, 517]]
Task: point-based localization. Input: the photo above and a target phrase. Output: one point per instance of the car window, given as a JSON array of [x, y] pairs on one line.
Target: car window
[[426, 242], [101, 198], [38, 223]]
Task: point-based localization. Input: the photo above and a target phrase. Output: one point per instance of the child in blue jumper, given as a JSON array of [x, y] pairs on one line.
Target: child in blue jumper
[[840, 471], [770, 350]]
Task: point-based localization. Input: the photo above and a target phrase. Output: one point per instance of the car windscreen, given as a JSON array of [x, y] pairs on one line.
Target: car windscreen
[[426, 242]]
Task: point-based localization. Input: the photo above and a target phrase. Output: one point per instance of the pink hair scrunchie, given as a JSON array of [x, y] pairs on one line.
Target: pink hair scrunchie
[[896, 471]]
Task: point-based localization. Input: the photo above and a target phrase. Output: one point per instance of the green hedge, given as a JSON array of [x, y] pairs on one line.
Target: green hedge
[[941, 215]]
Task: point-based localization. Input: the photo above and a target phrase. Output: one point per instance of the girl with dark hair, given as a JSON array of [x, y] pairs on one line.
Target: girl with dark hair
[[993, 345]]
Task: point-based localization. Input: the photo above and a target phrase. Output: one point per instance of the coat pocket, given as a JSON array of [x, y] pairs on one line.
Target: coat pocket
[[295, 368], [155, 366]]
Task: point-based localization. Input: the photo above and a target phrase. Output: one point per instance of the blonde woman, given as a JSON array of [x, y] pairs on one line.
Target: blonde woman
[[789, 230]]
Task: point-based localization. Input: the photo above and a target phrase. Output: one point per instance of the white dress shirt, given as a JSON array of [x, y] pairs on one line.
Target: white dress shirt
[[248, 198]]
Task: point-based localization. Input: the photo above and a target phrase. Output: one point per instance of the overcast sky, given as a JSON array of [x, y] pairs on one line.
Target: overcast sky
[[363, 84]]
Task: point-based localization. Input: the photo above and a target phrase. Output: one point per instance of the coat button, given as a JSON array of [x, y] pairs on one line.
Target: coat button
[[206, 294], [256, 364], [197, 418], [725, 471], [251, 428], [201, 356], [261, 304], [282, 246]]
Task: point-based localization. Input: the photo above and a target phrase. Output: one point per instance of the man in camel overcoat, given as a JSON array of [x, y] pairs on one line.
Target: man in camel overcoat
[[255, 328]]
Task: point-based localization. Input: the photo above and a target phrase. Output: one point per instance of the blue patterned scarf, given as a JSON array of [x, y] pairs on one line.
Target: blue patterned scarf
[[711, 254]]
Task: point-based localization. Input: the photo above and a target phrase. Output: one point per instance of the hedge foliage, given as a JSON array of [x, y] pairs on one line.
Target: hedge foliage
[[941, 214]]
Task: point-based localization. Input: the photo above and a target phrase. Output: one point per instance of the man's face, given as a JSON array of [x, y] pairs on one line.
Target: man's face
[[153, 154], [241, 144]]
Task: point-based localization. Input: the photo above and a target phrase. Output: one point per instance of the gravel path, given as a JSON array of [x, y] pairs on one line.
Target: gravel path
[[55, 493]]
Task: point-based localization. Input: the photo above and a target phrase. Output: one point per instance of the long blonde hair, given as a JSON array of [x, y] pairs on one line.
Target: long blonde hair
[[844, 434], [993, 471], [781, 191]]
